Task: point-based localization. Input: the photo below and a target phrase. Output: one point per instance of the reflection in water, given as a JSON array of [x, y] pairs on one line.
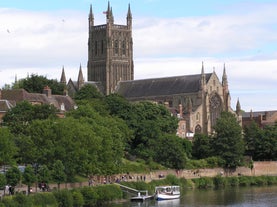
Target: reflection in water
[[229, 197]]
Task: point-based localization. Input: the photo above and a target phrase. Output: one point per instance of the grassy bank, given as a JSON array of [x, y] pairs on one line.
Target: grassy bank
[[99, 195]]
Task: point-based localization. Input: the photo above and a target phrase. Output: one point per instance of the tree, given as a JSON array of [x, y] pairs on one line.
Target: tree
[[58, 172], [36, 84], [18, 117], [201, 147], [87, 92], [8, 150], [228, 142], [43, 176], [252, 135], [3, 182], [13, 176], [29, 177]]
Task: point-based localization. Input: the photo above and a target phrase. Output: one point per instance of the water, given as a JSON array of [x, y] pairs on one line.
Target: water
[[231, 197]]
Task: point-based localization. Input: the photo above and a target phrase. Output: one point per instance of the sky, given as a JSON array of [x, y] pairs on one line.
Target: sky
[[170, 38]]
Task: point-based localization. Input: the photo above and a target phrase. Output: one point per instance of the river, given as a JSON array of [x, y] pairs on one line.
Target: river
[[230, 197]]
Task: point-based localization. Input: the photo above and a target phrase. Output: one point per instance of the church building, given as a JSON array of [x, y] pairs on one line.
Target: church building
[[197, 100]]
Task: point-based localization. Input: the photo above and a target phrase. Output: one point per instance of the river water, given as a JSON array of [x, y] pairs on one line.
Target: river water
[[231, 197]]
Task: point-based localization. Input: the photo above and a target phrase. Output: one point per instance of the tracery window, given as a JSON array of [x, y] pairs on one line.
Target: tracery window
[[215, 107], [116, 47]]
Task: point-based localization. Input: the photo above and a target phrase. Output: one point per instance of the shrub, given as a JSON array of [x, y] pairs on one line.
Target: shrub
[[232, 181], [64, 198], [219, 181], [203, 182], [90, 196], [78, 199], [44, 200]]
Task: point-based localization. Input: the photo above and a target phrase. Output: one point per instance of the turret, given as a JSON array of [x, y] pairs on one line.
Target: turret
[[129, 18], [91, 18], [109, 15], [203, 77], [63, 79], [238, 108], [224, 78], [81, 80]]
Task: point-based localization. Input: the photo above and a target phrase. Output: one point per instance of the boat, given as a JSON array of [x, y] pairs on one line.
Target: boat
[[142, 196], [167, 192]]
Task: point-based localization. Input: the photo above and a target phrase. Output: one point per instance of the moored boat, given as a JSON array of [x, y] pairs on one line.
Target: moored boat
[[167, 192]]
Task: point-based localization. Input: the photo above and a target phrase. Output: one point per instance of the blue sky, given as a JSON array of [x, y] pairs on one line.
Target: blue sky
[[170, 38]]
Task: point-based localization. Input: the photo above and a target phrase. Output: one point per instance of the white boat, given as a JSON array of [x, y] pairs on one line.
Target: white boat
[[167, 192]]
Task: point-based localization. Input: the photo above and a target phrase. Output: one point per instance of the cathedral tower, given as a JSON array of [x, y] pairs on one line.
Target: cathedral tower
[[110, 51]]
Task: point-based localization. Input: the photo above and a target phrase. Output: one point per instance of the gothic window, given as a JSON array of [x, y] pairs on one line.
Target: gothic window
[[198, 116], [95, 48], [198, 129], [215, 108], [102, 46], [123, 48], [116, 47]]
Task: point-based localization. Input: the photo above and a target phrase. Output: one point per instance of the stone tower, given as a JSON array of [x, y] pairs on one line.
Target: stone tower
[[110, 51]]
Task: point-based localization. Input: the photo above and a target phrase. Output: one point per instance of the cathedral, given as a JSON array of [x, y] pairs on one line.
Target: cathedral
[[197, 100]]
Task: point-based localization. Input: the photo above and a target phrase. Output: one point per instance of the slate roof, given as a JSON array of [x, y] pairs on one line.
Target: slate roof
[[18, 95], [161, 86], [258, 113]]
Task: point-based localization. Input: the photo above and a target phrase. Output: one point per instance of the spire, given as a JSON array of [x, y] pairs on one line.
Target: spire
[[91, 17], [63, 79], [129, 17], [109, 16], [224, 77], [238, 108], [203, 76], [80, 81]]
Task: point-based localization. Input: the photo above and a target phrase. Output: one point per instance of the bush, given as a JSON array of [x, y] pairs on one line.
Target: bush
[[232, 181], [44, 200], [22, 200], [108, 193], [78, 199], [203, 182], [64, 198], [90, 196], [219, 181]]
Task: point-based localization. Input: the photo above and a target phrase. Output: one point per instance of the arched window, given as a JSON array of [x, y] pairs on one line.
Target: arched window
[[215, 107], [198, 129], [116, 47]]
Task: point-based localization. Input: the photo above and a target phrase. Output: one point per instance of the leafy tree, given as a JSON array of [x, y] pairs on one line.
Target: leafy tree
[[87, 92], [201, 146], [18, 117], [58, 172], [169, 151], [228, 142], [3, 181], [43, 174], [36, 84], [8, 149], [13, 176], [29, 176], [252, 134]]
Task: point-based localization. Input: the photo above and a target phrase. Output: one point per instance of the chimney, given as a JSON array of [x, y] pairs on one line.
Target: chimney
[[47, 91]]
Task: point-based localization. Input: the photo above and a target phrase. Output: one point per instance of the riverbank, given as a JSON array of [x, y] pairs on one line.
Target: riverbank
[[92, 196]]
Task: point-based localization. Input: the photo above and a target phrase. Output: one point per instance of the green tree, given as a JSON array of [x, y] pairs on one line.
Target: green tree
[[29, 177], [228, 142], [8, 149], [24, 113], [201, 147], [87, 92], [43, 174], [58, 172], [252, 135], [3, 182], [36, 84], [13, 176]]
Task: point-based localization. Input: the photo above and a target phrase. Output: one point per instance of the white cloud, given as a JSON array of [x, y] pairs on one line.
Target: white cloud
[[42, 43]]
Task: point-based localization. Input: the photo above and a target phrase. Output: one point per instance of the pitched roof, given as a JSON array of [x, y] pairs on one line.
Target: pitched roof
[[161, 86], [18, 95]]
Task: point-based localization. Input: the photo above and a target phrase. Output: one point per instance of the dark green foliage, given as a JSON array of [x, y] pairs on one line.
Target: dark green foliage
[[8, 148], [219, 181], [261, 144], [44, 200], [78, 199], [58, 172], [20, 116], [228, 142], [203, 182], [29, 176], [64, 198], [13, 176], [3, 181], [36, 84], [87, 92], [202, 146], [22, 200], [108, 193], [90, 196]]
